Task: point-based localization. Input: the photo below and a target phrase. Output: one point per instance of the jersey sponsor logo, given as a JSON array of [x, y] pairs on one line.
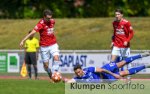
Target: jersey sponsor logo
[[120, 31], [50, 30]]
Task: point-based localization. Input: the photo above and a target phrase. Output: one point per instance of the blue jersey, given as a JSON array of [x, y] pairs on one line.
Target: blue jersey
[[90, 74]]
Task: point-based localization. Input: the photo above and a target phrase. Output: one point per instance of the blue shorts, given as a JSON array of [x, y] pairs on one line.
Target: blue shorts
[[110, 67]]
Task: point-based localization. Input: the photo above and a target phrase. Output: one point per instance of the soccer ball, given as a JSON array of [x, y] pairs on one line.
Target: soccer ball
[[56, 77]]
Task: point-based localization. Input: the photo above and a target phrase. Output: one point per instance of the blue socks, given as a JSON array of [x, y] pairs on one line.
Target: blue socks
[[132, 58], [135, 70]]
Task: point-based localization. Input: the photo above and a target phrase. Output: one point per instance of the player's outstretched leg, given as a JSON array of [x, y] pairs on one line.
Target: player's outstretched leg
[[55, 66], [136, 69], [132, 71], [132, 58], [48, 70]]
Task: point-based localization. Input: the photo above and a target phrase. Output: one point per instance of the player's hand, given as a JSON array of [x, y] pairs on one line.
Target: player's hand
[[64, 79], [21, 44], [125, 43]]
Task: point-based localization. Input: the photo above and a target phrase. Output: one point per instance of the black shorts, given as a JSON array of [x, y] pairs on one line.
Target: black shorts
[[30, 58]]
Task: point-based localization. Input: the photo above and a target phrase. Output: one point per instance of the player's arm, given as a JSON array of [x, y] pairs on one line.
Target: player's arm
[[100, 70], [66, 80], [112, 38], [131, 32], [37, 49], [112, 43], [26, 37]]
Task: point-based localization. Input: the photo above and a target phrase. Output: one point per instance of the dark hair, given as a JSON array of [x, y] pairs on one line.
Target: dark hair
[[119, 10], [77, 67], [47, 12]]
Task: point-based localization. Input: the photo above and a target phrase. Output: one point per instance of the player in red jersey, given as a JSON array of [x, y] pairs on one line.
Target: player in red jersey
[[48, 44], [123, 33]]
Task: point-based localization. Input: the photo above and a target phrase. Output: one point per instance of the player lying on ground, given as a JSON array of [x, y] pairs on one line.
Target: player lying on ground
[[109, 72]]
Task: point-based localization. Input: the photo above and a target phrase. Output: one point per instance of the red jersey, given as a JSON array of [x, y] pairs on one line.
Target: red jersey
[[122, 32], [46, 30]]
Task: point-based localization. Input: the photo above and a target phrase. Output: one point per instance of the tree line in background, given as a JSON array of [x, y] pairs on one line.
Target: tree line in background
[[18, 9]]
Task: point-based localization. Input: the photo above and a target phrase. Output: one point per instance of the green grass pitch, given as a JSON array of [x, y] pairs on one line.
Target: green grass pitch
[[13, 86], [25, 86]]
